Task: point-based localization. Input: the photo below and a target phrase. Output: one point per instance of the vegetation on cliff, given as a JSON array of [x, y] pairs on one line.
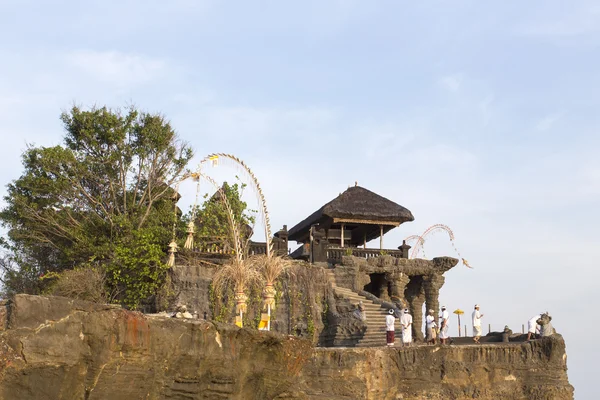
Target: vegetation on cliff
[[101, 200]]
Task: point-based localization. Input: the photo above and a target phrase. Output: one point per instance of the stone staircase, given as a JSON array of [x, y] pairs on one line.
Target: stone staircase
[[375, 333]]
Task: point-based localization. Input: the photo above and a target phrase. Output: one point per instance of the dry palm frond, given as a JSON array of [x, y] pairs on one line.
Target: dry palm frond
[[240, 275], [271, 267]]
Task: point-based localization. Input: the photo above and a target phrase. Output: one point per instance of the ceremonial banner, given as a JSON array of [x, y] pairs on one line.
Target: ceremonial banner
[[264, 322]]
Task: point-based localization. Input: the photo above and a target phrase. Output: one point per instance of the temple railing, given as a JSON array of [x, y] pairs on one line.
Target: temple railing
[[219, 247], [335, 254]]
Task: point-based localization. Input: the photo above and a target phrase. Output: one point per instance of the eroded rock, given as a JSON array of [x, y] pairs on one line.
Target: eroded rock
[[56, 348]]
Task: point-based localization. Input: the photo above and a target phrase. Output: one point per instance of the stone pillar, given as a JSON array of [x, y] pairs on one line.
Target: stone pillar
[[383, 291], [432, 285], [415, 296], [404, 249], [283, 235], [398, 286]]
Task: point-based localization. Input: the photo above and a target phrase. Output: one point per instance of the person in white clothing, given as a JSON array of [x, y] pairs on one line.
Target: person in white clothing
[[444, 322], [430, 326], [389, 327], [532, 325], [406, 321], [476, 316]]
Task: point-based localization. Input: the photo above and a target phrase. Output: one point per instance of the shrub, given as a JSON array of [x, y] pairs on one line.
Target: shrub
[[84, 283]]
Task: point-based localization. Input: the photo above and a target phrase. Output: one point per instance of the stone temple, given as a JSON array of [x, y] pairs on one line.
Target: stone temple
[[58, 348], [334, 273], [337, 234]]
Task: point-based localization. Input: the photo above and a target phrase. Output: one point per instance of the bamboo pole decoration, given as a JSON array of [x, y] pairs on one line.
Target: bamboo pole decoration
[[240, 302], [231, 217], [458, 313], [269, 315], [189, 242], [234, 227], [342, 235], [419, 245], [261, 198], [269, 296], [172, 251]]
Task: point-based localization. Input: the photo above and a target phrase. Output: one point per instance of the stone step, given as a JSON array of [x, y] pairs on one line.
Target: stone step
[[375, 307], [350, 295], [375, 321], [380, 339], [357, 298], [374, 336], [377, 335], [376, 317]]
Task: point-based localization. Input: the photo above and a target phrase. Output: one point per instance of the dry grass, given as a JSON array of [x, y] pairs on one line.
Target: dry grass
[[270, 268], [86, 283], [238, 274]]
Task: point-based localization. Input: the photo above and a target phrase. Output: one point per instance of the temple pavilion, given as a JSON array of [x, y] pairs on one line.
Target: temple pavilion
[[347, 223]]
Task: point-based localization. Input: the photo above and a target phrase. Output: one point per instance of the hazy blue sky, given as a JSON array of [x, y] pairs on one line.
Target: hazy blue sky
[[483, 117]]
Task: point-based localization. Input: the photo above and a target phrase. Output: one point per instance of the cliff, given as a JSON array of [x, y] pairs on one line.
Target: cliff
[[57, 348]]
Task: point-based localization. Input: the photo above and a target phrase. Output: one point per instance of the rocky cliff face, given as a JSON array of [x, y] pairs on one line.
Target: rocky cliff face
[[56, 348]]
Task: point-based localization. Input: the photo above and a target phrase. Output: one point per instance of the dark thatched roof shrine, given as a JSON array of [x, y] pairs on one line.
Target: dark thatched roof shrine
[[353, 218]]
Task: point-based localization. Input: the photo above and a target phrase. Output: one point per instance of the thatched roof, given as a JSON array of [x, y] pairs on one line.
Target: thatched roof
[[356, 205]]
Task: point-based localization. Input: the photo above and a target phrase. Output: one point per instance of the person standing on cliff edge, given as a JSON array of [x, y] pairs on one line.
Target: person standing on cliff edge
[[406, 321], [476, 324], [431, 327], [444, 319], [532, 325], [389, 327]]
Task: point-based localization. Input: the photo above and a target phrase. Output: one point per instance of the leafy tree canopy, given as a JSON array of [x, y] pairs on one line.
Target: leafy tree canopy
[[104, 196], [212, 218]]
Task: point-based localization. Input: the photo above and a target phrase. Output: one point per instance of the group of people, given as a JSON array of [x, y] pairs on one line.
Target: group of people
[[432, 328], [406, 321]]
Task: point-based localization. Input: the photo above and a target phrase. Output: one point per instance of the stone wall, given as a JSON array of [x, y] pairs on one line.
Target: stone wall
[[190, 286], [410, 282], [56, 348], [302, 299]]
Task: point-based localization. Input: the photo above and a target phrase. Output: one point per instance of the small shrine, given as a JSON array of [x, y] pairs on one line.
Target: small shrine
[[347, 223]]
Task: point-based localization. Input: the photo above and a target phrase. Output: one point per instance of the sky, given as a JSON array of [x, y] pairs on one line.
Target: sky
[[480, 116]]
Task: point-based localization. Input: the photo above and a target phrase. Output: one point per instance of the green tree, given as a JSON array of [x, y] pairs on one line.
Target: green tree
[[105, 195], [212, 218]]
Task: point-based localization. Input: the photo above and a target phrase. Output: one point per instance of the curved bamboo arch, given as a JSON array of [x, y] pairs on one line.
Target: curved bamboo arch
[[437, 227], [419, 239], [238, 248], [239, 254], [434, 228], [256, 186]]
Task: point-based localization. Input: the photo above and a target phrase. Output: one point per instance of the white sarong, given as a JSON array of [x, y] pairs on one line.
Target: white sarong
[[407, 335], [444, 332]]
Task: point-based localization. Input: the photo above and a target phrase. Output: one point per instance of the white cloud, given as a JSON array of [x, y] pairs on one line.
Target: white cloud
[[547, 122], [452, 82], [589, 180], [485, 108], [574, 22], [116, 67]]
